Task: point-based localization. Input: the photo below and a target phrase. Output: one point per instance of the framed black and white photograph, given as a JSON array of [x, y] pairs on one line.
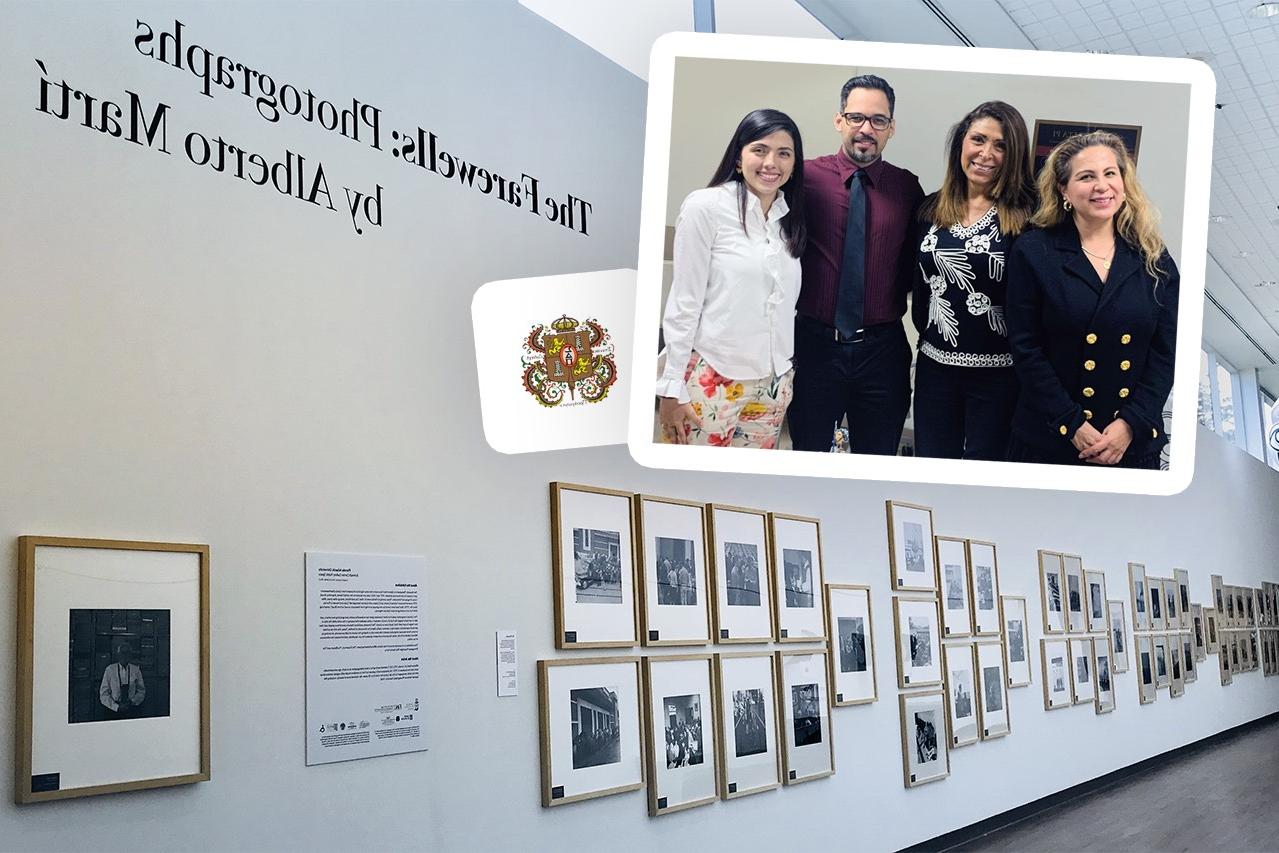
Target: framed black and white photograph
[[912, 560], [1163, 661], [1189, 668], [1181, 578], [1075, 593], [1140, 597], [1236, 658], [1198, 632], [1055, 660], [952, 586], [798, 578], [1118, 636], [113, 667], [985, 587], [1103, 666], [1051, 597], [852, 645], [1147, 690], [742, 608], [1211, 641], [1155, 588], [961, 693], [593, 563], [992, 691], [1095, 602], [1246, 640], [1249, 600], [674, 610], [1176, 672], [1219, 600], [679, 720], [1223, 659], [750, 758], [1016, 641], [1083, 681], [917, 629], [1239, 617], [925, 754], [807, 749], [590, 728], [1172, 605]]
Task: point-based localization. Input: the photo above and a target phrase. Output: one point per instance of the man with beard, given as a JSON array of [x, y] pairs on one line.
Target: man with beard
[[851, 353]]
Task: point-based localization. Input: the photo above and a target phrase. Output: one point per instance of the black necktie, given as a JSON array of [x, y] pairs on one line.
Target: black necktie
[[852, 271]]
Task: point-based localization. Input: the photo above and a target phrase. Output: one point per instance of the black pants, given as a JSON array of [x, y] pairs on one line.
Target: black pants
[[963, 412], [867, 380]]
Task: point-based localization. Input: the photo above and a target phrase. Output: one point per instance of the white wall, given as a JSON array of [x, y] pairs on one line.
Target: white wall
[[184, 357]]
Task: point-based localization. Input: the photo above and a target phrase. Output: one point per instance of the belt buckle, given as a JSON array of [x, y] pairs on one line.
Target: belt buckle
[[858, 336]]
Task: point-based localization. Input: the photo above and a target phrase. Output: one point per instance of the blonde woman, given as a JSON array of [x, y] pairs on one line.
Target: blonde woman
[[1092, 314]]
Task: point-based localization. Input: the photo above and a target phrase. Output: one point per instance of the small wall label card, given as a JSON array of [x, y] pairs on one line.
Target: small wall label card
[[365, 655], [113, 666]]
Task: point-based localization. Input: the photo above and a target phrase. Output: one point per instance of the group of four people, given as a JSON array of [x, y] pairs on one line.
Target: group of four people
[[1046, 308]]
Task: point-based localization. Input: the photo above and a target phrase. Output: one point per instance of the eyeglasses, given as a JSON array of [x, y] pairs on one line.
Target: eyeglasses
[[856, 120]]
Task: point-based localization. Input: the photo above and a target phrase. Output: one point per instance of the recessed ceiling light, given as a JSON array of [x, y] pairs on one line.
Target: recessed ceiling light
[[1244, 253], [1218, 218], [1264, 10]]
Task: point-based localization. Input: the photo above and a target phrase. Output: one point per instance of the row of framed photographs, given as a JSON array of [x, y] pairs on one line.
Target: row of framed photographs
[[1073, 599], [1241, 607], [1159, 604], [696, 728], [1242, 652], [631, 569], [1078, 671], [1165, 660]]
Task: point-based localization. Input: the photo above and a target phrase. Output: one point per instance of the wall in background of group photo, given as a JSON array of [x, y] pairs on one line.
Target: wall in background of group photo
[[187, 357]]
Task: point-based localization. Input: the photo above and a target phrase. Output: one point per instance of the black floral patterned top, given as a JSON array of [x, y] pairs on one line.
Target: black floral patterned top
[[958, 303]]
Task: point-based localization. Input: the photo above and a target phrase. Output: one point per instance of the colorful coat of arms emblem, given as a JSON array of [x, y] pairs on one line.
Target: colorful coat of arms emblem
[[569, 358]]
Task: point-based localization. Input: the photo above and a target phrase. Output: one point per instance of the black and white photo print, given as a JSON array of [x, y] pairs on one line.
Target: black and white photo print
[[597, 736], [597, 566], [676, 572], [852, 644], [807, 711], [683, 730], [741, 563], [750, 721], [119, 665], [799, 577]]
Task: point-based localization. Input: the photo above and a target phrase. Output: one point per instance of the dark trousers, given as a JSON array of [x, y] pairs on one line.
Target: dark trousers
[[963, 412], [868, 380]]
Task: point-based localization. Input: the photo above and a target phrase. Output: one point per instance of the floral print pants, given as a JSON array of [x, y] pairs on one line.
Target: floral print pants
[[736, 413]]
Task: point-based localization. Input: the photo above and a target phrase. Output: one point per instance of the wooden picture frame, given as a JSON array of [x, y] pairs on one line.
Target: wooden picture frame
[[604, 695], [1199, 631], [1147, 689], [1172, 605], [1176, 672], [679, 709], [1054, 658], [993, 690], [1095, 601], [808, 749], [1083, 679], [1118, 635], [1163, 662], [1223, 659], [1181, 578], [674, 610], [1212, 641], [850, 624], [1189, 668], [954, 585], [1219, 600], [916, 626], [1051, 591], [740, 561], [1048, 133], [82, 602], [1074, 593], [925, 753], [1104, 678], [750, 754], [593, 567], [1016, 637], [1157, 602], [798, 577], [1139, 595], [984, 563], [962, 717], [912, 559]]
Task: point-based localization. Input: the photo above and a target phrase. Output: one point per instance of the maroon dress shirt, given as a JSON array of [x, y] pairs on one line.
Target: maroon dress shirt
[[892, 197]]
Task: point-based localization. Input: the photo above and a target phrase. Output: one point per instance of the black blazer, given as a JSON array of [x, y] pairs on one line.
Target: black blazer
[[1084, 350]]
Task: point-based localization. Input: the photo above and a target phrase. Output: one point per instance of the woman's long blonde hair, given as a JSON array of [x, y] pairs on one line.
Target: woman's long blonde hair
[[1137, 221]]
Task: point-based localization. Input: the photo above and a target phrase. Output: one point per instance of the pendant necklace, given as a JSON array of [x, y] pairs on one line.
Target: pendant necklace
[[1105, 261]]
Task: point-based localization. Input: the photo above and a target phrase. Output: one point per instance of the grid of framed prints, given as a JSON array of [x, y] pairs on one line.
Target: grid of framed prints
[[798, 578], [743, 608], [915, 624], [671, 545], [1118, 636], [113, 667], [1016, 641], [807, 749], [750, 758], [679, 725], [912, 559], [851, 630], [592, 560], [925, 754]]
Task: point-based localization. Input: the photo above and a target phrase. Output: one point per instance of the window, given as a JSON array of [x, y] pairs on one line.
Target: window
[[1270, 428], [1205, 392], [1225, 401]]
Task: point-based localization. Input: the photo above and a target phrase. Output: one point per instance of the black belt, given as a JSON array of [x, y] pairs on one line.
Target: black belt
[[820, 329]]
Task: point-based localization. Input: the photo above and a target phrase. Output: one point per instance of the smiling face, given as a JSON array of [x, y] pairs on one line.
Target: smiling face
[[766, 164], [1095, 186], [864, 144], [982, 155]]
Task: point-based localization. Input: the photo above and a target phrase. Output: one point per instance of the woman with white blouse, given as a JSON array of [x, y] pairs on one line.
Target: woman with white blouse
[[729, 324]]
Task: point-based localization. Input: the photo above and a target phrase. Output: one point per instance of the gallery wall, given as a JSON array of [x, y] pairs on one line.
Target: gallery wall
[[187, 357]]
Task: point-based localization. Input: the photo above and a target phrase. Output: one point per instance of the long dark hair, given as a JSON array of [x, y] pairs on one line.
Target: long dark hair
[[755, 126], [1014, 190]]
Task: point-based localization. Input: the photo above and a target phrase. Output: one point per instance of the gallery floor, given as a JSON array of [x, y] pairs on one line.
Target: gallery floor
[[1215, 798]]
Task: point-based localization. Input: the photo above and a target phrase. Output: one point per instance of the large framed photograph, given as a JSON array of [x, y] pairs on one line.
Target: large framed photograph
[[925, 754], [807, 749], [113, 667], [952, 584], [961, 693], [1147, 690], [593, 564], [750, 758], [1095, 583], [1172, 605], [1055, 661], [1118, 636], [1158, 621], [992, 691], [918, 642], [1016, 641], [1199, 631], [852, 640], [1103, 665], [1050, 592], [1181, 578], [743, 602], [589, 713], [680, 724], [1083, 682], [1049, 132], [1189, 669], [1140, 595], [798, 578], [1073, 575], [911, 558], [985, 587], [671, 536]]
